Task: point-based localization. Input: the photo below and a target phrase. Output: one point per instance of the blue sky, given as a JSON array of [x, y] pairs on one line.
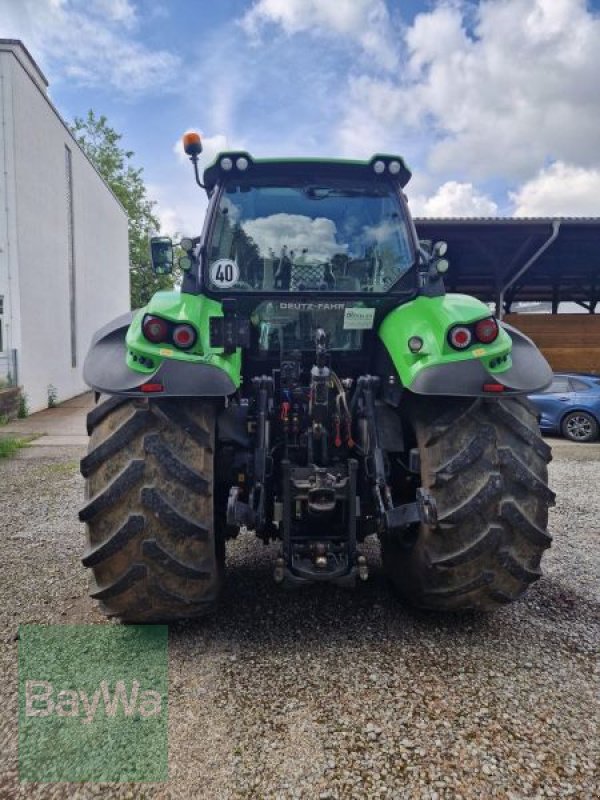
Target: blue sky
[[493, 103]]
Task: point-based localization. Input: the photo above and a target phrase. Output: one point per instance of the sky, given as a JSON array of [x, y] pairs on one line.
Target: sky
[[494, 104]]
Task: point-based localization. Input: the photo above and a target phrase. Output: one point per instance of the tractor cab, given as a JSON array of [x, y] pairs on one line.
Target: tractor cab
[[304, 246]]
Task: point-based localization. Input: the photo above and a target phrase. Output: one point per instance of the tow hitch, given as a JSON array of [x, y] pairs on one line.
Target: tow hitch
[[319, 526]]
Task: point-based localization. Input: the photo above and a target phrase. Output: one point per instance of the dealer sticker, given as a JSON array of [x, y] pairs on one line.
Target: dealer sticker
[[357, 318]]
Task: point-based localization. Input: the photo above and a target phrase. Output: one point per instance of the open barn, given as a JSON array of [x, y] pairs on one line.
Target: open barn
[[541, 274]]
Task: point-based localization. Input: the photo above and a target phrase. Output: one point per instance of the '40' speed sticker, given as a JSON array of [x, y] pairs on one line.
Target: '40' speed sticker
[[224, 273]]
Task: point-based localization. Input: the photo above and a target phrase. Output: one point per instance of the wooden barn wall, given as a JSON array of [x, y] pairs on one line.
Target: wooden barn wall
[[570, 342]]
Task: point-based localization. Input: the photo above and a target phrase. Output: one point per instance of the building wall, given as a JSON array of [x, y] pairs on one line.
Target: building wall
[[95, 271], [9, 277], [570, 342]]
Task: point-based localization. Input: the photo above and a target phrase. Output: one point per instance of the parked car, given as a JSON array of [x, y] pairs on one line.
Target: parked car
[[570, 406]]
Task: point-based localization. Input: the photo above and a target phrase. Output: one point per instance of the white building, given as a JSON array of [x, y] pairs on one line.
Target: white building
[[63, 240]]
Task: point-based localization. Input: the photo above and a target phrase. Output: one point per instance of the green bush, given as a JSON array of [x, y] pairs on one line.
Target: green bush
[[23, 407], [52, 396]]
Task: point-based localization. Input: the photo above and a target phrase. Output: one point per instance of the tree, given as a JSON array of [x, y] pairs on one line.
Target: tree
[[100, 142]]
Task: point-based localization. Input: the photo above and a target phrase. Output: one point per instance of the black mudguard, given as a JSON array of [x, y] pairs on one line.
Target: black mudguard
[[530, 372], [105, 369]]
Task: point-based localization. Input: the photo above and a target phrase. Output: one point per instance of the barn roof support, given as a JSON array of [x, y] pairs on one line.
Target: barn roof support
[[522, 270]]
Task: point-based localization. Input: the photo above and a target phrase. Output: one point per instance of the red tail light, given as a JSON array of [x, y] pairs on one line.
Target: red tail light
[[493, 387], [184, 336], [152, 387], [486, 330], [155, 329], [460, 337]]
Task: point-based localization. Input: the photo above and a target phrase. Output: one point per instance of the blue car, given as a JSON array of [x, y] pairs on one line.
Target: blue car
[[571, 406]]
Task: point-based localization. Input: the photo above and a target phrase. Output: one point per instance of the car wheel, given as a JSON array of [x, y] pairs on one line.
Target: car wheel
[[579, 426]]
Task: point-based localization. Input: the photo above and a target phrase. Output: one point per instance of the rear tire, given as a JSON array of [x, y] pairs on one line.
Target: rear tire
[[485, 464], [152, 549]]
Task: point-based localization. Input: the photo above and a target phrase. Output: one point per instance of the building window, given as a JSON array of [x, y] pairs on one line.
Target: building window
[[71, 245]]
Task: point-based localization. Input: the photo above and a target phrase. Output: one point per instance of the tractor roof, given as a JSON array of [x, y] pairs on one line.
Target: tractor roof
[[299, 167]]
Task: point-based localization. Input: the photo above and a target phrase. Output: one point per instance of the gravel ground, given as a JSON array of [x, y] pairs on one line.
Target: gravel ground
[[326, 693]]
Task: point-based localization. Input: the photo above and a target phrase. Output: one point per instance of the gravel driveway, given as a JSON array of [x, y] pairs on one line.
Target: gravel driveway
[[326, 693]]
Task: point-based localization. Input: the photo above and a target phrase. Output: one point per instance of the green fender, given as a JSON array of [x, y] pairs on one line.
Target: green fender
[[121, 360], [511, 361]]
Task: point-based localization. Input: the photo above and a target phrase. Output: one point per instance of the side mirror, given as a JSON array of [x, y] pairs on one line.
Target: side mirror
[[439, 249], [161, 252]]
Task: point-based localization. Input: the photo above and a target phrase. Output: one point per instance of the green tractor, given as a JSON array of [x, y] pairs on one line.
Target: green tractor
[[312, 382]]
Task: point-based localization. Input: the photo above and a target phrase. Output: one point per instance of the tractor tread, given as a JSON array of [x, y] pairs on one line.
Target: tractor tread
[[472, 451], [477, 501], [485, 464], [524, 475], [516, 569], [483, 579], [191, 478], [161, 594], [488, 540], [102, 410], [173, 415], [446, 422], [118, 439], [514, 516], [131, 528], [153, 548], [114, 491], [523, 431], [135, 574], [182, 526]]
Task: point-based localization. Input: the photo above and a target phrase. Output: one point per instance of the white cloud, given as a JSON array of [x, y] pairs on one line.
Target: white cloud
[[92, 44], [454, 199], [366, 22], [495, 89], [297, 233], [116, 10], [180, 208], [559, 190], [181, 204], [375, 110]]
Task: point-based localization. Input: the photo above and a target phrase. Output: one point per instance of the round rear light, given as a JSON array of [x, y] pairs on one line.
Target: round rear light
[[155, 329], [184, 336], [486, 330], [379, 167], [460, 337], [415, 343]]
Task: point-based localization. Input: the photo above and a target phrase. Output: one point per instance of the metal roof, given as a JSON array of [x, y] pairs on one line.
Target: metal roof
[[506, 220], [486, 253]]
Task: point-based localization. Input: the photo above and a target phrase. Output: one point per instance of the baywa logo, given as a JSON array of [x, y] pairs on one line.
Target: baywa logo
[[93, 703], [41, 700]]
